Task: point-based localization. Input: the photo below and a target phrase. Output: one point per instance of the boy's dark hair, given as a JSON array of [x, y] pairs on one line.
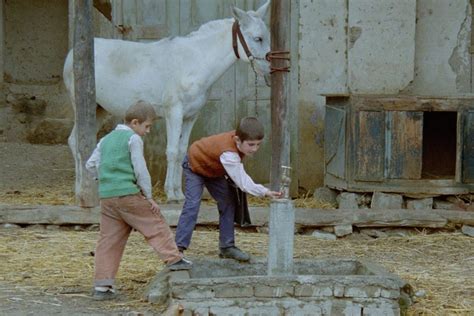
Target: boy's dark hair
[[250, 129], [141, 111]]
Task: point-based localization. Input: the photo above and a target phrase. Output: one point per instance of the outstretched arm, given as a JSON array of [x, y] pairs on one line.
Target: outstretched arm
[[235, 169]]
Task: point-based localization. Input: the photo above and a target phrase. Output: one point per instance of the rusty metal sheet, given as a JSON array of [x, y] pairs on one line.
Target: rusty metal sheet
[[335, 140], [468, 154], [369, 146], [406, 145]]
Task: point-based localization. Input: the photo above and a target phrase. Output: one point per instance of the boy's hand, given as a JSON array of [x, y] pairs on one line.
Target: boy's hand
[[154, 207], [273, 194]]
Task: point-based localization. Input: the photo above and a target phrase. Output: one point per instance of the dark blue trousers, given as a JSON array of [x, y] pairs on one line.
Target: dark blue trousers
[[224, 195]]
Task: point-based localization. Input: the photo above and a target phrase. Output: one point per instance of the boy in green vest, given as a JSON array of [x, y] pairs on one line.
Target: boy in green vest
[[126, 200]]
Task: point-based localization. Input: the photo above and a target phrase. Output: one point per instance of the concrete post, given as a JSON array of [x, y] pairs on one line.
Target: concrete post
[[281, 237]]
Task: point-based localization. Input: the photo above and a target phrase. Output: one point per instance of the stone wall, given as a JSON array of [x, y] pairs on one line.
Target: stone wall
[[333, 287]]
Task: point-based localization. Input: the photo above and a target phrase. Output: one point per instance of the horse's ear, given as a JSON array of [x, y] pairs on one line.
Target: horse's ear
[[262, 11], [238, 14]]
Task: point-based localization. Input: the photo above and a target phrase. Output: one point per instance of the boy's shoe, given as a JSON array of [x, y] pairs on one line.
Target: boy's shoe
[[106, 295], [183, 264], [234, 253]]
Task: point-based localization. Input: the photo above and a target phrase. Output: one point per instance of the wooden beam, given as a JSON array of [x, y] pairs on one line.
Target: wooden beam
[[85, 106], [279, 28], [75, 215]]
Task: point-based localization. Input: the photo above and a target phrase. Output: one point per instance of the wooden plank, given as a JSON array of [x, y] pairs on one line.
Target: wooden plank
[[85, 106], [410, 103], [369, 146], [335, 141], [64, 214], [468, 152], [406, 145]]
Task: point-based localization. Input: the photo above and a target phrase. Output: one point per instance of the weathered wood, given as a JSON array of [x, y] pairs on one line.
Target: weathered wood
[[468, 152], [64, 215], [279, 29], [369, 146], [406, 135], [84, 95]]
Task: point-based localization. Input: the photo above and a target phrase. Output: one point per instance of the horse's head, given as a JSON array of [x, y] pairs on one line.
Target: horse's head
[[256, 36]]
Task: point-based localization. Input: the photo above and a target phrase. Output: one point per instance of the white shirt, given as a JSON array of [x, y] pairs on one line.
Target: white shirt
[[235, 169], [135, 146]]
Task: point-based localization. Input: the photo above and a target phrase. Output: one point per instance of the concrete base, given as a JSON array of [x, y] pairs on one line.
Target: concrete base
[[319, 287]]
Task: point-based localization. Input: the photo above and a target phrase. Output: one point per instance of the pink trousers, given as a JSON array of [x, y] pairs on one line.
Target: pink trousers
[[118, 216]]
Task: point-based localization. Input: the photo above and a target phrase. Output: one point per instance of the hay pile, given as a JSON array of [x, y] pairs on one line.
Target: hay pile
[[441, 264]]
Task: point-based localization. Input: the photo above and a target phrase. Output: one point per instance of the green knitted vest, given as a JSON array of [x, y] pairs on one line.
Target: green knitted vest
[[116, 176]]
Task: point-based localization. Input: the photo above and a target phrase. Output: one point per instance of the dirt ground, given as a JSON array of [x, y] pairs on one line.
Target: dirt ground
[[48, 271]]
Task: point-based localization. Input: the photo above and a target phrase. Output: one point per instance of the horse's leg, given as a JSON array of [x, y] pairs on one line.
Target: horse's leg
[[182, 148], [174, 123]]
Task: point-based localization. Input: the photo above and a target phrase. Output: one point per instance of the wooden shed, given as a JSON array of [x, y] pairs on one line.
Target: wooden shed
[[404, 144]]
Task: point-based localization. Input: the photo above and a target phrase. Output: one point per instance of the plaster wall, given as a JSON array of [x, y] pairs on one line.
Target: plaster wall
[[442, 58], [381, 43], [322, 69]]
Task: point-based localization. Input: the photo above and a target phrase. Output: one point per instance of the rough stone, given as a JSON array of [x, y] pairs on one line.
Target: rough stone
[[384, 201], [325, 195], [348, 201], [343, 230], [420, 204], [323, 235], [8, 225], [468, 230]]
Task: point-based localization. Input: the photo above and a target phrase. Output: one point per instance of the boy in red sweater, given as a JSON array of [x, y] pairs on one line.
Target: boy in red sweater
[[207, 162]]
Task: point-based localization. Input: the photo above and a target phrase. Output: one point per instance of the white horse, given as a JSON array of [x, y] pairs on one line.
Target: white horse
[[174, 75]]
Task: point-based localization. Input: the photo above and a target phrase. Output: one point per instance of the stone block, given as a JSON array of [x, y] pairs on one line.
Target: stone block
[[263, 311], [310, 290], [201, 312], [227, 311], [420, 204], [346, 308], [348, 201], [468, 230], [343, 230], [192, 292], [179, 275], [384, 201], [273, 291], [338, 291], [390, 294], [325, 195], [234, 291], [304, 310], [385, 310], [323, 235]]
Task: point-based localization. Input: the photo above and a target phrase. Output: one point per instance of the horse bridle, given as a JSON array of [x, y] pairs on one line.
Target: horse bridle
[[236, 32]]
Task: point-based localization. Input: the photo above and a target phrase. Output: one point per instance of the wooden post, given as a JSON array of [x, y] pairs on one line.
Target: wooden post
[[84, 95], [279, 28]]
